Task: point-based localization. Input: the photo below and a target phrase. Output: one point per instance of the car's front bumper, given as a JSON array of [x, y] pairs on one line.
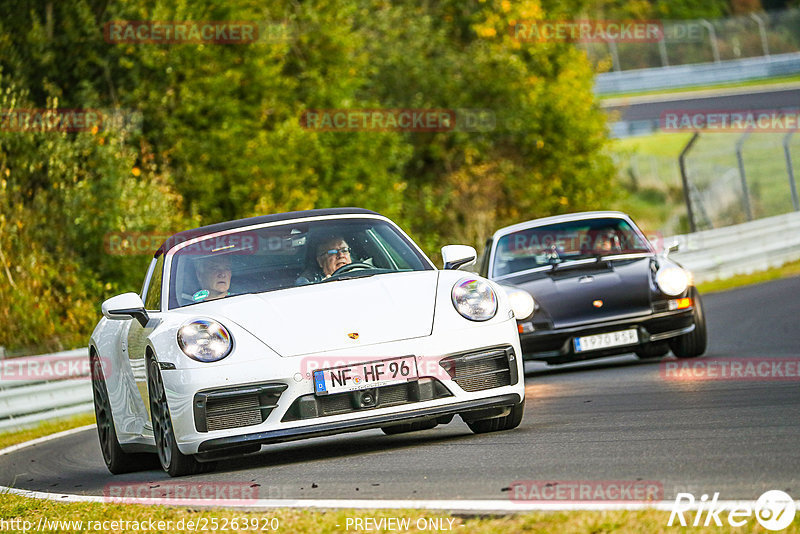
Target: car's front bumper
[[280, 383], [499, 402], [557, 345]]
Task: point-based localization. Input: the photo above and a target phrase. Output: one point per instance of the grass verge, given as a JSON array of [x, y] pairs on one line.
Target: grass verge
[[99, 517], [785, 271], [45, 429]]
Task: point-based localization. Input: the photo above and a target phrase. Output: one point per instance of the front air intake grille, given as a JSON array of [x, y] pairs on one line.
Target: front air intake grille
[[311, 406], [486, 369], [235, 407], [242, 411]]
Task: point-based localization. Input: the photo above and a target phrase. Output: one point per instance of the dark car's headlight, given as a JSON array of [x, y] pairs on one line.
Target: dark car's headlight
[[474, 299], [522, 303], [672, 281], [204, 340]]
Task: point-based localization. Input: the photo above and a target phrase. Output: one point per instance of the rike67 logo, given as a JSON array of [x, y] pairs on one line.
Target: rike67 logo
[[774, 510]]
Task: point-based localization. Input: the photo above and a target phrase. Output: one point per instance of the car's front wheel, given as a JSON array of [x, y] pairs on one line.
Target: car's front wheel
[[506, 422], [173, 461], [117, 460], [694, 343]]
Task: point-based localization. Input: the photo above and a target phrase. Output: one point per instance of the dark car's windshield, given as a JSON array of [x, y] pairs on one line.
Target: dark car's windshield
[[565, 242], [288, 255]]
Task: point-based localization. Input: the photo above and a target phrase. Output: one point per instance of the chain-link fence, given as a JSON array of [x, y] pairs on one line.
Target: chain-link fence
[[702, 41], [726, 186]]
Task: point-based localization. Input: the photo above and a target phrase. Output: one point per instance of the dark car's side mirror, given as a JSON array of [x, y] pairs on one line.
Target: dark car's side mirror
[[672, 247], [455, 256], [125, 306]]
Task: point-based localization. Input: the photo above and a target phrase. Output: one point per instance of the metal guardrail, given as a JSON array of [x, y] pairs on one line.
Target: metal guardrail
[[27, 396], [39, 388], [740, 249], [735, 70]]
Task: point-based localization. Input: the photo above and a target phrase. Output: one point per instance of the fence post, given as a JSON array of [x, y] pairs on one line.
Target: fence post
[[763, 32], [745, 190], [612, 47], [792, 185], [685, 179], [712, 35], [662, 49]]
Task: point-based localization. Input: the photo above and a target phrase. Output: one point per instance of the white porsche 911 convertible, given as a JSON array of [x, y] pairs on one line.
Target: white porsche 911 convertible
[[296, 325]]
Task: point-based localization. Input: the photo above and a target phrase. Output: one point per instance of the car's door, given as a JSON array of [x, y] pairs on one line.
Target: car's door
[[137, 337]]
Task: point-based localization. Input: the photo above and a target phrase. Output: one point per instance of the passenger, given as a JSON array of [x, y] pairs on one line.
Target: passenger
[[214, 275]]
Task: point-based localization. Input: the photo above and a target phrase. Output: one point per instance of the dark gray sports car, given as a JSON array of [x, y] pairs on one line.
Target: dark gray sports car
[[599, 289]]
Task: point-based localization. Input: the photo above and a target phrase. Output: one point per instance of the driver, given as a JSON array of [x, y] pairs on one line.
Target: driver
[[332, 254]]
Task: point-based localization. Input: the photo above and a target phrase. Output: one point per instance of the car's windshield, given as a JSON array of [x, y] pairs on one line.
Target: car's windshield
[[288, 255], [554, 244]]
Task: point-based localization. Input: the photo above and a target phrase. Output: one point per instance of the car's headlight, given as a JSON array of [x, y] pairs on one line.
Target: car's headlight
[[673, 281], [522, 303], [204, 340], [474, 299]]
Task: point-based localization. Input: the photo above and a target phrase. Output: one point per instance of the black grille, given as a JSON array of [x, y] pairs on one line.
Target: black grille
[[310, 406], [235, 407], [333, 404], [486, 369]]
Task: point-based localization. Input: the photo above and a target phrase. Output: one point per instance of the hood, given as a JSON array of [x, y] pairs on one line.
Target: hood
[[568, 294], [319, 317]]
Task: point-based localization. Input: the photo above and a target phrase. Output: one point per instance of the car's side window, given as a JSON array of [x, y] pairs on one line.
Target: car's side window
[[153, 299]]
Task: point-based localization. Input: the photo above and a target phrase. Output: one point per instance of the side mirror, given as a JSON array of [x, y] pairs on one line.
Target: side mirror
[[456, 256], [125, 306], [672, 247]]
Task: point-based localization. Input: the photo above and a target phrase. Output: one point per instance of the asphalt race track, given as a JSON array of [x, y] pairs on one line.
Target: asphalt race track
[[651, 107], [614, 419]]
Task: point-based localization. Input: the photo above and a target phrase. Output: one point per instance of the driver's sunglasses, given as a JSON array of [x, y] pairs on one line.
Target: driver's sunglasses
[[335, 251]]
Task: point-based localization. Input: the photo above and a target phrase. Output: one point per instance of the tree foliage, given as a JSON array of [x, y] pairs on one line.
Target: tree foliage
[[221, 138]]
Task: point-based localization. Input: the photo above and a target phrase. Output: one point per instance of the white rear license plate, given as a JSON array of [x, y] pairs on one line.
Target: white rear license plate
[[605, 341], [365, 375]]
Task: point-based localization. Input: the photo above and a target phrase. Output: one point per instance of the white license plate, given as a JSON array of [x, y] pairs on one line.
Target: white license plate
[[365, 375], [605, 341]]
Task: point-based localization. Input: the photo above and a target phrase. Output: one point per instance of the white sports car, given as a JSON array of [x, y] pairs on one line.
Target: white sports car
[[296, 325]]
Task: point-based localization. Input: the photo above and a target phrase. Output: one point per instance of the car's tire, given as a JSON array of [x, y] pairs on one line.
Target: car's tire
[[694, 343], [652, 350], [172, 460], [409, 427], [117, 460], [506, 422]]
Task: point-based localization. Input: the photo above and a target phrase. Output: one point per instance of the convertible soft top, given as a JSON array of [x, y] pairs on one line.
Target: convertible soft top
[[186, 235]]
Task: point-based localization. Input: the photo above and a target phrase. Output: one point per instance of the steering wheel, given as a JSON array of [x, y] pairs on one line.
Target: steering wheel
[[351, 267]]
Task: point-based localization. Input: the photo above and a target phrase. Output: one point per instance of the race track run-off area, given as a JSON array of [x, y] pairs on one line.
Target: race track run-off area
[[612, 421]]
